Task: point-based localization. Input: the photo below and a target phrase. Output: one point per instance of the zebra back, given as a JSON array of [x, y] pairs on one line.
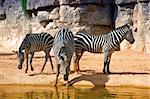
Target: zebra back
[[64, 42], [37, 42], [101, 43]]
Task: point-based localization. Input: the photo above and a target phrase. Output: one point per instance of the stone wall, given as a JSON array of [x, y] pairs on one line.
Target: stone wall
[[139, 12], [92, 16]]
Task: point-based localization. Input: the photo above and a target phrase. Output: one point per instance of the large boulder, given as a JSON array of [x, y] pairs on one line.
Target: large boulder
[[122, 2], [143, 18], [2, 13], [124, 16], [35, 4], [84, 2], [13, 10], [90, 15], [146, 1]]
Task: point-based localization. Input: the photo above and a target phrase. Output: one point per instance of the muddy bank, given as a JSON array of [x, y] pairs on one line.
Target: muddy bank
[[128, 69]]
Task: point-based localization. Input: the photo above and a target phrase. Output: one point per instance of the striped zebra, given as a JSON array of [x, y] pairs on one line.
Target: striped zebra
[[35, 43], [106, 44], [63, 48]]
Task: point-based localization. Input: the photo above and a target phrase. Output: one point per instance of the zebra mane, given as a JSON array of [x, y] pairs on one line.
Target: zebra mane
[[126, 25]]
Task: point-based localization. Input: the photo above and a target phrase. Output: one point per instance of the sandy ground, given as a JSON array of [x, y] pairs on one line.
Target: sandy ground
[[128, 69]]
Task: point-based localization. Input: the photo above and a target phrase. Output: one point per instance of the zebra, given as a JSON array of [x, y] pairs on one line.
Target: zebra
[[35, 42], [63, 48], [106, 44]]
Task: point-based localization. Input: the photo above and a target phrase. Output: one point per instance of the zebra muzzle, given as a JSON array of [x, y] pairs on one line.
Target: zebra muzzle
[[65, 77], [132, 42], [19, 67]]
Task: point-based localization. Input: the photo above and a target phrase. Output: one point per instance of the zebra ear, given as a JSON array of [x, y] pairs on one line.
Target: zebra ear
[[130, 26]]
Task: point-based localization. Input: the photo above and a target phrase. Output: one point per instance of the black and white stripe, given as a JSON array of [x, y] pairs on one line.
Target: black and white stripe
[[106, 44], [63, 48], [35, 43]]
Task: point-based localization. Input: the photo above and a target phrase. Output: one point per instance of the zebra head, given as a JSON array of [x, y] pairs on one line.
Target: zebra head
[[64, 65], [129, 34], [20, 57]]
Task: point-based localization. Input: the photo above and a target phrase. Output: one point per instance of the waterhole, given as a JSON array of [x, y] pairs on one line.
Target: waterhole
[[77, 92]]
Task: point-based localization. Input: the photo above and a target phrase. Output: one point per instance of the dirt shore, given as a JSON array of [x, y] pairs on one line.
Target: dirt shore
[[128, 69]]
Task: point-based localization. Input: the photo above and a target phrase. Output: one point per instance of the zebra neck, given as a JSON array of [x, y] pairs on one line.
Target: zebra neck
[[24, 46], [21, 48], [119, 35]]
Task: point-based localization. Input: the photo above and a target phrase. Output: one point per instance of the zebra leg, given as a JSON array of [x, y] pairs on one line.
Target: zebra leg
[[107, 57], [108, 62], [26, 63], [50, 59], [57, 73], [74, 62], [76, 59], [46, 58], [32, 54], [67, 84]]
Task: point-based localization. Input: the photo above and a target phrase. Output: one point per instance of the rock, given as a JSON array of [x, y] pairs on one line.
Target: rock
[[118, 2], [54, 14], [99, 16], [124, 16], [139, 44], [13, 10], [66, 14], [2, 13], [85, 2], [100, 29], [34, 4], [90, 14], [42, 15], [143, 1], [143, 18]]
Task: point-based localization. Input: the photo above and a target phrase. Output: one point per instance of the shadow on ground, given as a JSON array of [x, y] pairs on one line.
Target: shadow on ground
[[95, 79]]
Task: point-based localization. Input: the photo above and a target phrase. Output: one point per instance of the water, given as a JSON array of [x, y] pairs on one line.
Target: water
[[62, 92]]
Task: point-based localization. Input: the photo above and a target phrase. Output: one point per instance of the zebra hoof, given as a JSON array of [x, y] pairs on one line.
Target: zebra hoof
[[104, 72], [108, 72], [32, 69]]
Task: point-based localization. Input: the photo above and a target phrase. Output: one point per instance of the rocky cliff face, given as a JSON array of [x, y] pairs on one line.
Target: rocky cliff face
[[139, 12], [92, 16]]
